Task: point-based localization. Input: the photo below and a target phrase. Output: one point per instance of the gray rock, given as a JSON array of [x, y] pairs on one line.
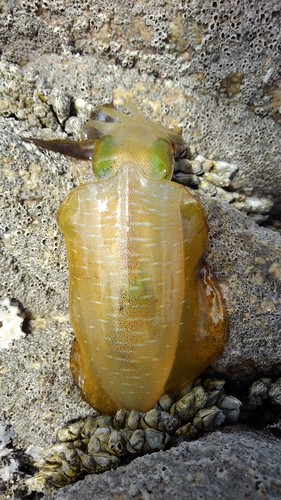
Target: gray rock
[[220, 69], [247, 262], [236, 464], [212, 70]]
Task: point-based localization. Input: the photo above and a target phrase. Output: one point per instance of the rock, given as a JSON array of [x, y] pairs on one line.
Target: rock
[[214, 71], [211, 70], [247, 262]]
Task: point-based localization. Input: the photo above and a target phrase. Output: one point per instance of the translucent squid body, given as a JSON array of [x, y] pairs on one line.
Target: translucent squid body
[[146, 310]]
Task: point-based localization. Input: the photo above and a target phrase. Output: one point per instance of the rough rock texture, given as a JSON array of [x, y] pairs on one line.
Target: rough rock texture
[[241, 464], [219, 61], [247, 262], [37, 395], [211, 67]]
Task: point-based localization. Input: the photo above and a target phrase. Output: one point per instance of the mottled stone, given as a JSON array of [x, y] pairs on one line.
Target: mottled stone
[[215, 71]]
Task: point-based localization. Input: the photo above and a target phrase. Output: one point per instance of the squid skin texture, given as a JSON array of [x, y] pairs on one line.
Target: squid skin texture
[[146, 310]]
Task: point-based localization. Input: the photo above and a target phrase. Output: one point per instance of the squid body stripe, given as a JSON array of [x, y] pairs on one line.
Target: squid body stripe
[[108, 217], [141, 344], [93, 226], [138, 210], [125, 370], [122, 359], [138, 192], [159, 243], [163, 283], [156, 195], [90, 199], [150, 224], [136, 318], [130, 333]]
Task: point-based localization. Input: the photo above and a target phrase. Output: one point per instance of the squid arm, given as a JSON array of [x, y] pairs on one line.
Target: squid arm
[[77, 149]]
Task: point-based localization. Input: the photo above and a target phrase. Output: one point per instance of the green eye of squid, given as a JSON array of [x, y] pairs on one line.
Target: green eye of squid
[[162, 159], [103, 157]]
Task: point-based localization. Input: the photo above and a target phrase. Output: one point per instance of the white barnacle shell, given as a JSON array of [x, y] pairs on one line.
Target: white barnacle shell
[[152, 419], [186, 431], [259, 391], [164, 402], [230, 407], [187, 406], [133, 421], [11, 320], [154, 440], [221, 173], [116, 443], [275, 392], [93, 445], [90, 426], [207, 418], [120, 418], [136, 441]]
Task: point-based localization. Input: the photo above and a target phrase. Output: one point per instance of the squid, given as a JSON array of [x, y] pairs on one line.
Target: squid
[[146, 310]]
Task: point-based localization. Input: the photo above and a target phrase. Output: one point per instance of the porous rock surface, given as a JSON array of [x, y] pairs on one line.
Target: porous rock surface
[[241, 464], [218, 61], [211, 67]]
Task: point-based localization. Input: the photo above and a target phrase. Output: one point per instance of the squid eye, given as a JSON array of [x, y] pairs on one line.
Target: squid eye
[[103, 157], [162, 160]]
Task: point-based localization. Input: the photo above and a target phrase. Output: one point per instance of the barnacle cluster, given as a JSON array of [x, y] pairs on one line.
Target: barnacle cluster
[[264, 389], [214, 178], [98, 443], [18, 99]]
